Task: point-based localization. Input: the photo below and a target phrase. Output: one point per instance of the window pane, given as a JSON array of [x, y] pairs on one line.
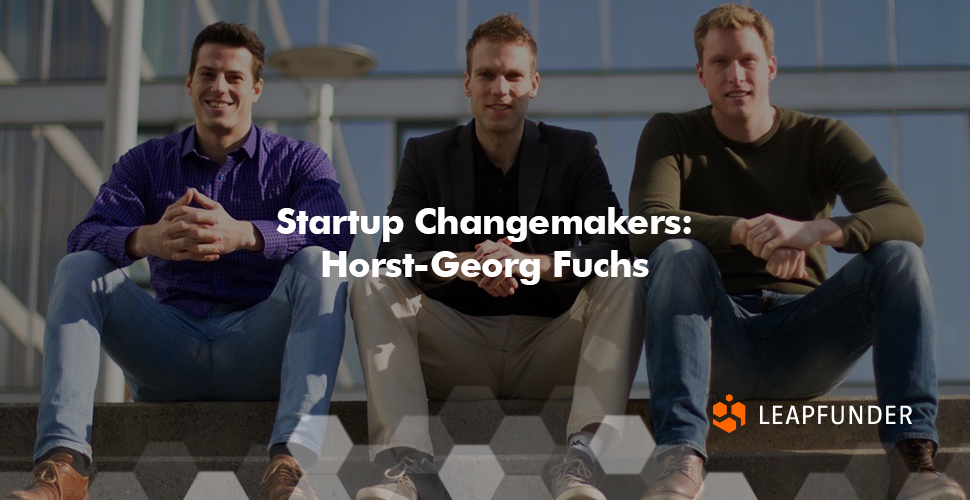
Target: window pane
[[569, 35], [79, 42], [794, 24], [17, 36], [656, 34], [933, 170], [371, 149], [855, 33], [166, 38], [302, 20], [619, 148], [408, 37], [480, 11], [933, 33]]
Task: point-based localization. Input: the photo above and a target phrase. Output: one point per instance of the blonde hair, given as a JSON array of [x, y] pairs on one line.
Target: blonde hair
[[733, 17]]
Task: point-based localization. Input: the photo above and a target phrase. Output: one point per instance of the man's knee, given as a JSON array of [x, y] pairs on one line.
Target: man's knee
[[80, 268], [899, 257], [367, 291], [680, 255], [363, 288], [308, 262]]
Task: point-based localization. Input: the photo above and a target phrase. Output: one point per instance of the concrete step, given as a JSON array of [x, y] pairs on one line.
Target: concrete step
[[230, 429], [832, 474], [187, 450]]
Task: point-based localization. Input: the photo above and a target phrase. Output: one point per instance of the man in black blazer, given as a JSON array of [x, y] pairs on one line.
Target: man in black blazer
[[475, 337]]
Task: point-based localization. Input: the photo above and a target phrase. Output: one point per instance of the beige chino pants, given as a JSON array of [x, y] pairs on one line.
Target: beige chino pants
[[413, 348]]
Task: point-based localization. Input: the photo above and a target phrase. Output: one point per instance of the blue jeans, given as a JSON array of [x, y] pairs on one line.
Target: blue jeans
[[770, 345], [286, 347]]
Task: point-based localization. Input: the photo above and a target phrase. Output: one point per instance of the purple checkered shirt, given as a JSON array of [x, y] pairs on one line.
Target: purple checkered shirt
[[267, 173]]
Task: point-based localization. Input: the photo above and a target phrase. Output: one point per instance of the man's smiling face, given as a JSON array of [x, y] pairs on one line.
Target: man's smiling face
[[500, 84], [736, 71], [223, 90]]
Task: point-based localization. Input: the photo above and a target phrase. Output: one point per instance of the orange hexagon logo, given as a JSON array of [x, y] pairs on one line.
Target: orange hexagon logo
[[732, 422]]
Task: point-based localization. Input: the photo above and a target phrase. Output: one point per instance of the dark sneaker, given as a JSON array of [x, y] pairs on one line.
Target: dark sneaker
[[681, 476], [574, 478], [912, 475]]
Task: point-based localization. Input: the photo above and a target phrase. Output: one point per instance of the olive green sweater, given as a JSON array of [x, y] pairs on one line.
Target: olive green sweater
[[685, 166]]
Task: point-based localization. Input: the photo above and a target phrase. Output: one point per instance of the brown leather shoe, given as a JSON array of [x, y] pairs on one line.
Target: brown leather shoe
[[681, 476], [284, 480], [912, 475], [53, 479]]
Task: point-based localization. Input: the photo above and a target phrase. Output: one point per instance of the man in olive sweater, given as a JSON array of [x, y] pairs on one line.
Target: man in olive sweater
[[744, 307]]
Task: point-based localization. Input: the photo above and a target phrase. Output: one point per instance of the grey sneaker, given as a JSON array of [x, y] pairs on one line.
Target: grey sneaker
[[574, 478], [398, 483]]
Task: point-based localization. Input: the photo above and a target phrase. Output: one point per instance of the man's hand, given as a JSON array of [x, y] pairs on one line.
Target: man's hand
[[764, 234], [787, 263], [499, 286], [189, 233], [210, 230], [503, 288]]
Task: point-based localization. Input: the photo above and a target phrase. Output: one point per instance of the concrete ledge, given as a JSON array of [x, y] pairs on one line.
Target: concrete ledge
[[160, 451], [226, 429], [830, 474]]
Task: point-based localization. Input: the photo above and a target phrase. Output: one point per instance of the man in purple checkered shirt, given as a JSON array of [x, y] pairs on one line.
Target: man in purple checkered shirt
[[241, 311]]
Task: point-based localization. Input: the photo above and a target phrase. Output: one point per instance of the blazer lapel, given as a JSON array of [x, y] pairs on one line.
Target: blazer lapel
[[532, 169], [462, 168]]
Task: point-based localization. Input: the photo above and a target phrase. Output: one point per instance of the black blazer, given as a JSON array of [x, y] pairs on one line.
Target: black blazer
[[560, 173]]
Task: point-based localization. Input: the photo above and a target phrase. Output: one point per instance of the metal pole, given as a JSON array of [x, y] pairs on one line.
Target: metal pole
[[324, 114], [121, 127], [33, 260]]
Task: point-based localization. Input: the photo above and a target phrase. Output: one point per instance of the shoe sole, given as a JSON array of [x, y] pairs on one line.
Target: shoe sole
[[371, 493], [674, 496], [582, 493], [945, 494]]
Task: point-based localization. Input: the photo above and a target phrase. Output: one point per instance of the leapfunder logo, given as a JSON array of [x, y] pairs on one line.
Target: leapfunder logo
[[798, 415], [729, 424]]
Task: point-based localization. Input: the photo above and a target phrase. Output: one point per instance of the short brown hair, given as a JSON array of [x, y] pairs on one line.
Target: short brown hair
[[505, 28], [233, 35], [733, 17]]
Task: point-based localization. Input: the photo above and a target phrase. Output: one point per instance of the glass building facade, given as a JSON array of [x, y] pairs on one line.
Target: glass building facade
[[589, 51]]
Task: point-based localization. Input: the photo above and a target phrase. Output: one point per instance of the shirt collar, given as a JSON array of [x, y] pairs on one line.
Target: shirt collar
[[481, 159], [249, 147]]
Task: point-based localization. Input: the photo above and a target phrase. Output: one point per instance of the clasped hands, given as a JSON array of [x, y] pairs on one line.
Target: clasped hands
[[500, 285], [782, 242], [201, 233]]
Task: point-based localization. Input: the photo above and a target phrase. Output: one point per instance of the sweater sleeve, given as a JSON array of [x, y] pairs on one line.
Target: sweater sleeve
[[655, 190], [879, 211]]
